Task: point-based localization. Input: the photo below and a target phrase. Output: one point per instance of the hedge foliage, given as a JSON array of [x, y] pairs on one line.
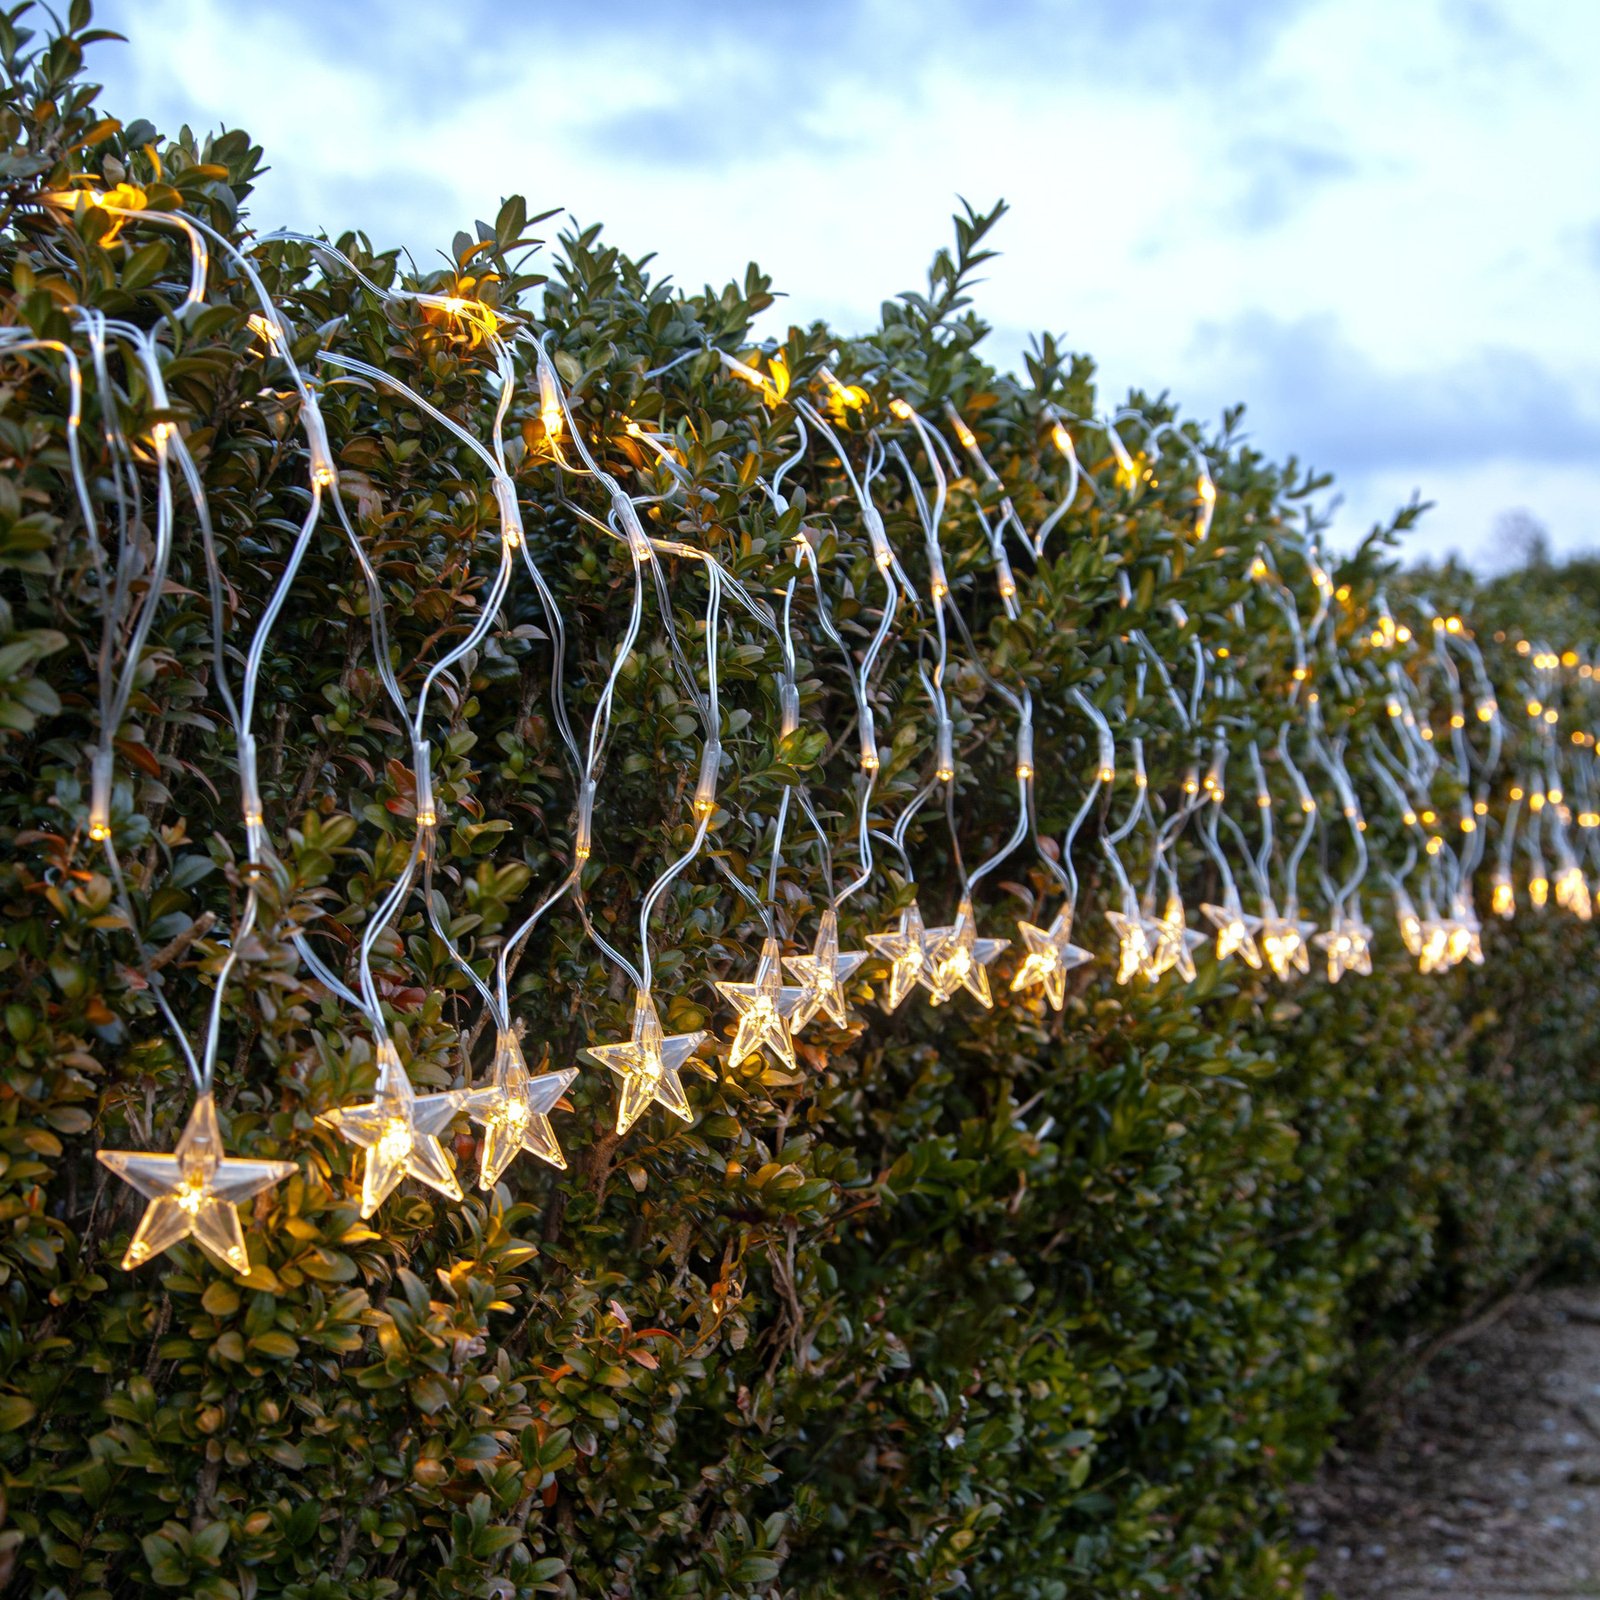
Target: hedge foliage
[[1020, 1303]]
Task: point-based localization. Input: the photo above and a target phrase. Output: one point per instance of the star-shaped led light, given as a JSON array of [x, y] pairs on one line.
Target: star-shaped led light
[[399, 1129], [1408, 922], [1433, 951], [1283, 942], [823, 975], [960, 959], [648, 1064], [908, 950], [1051, 956], [514, 1108], [1348, 946], [1466, 933], [1235, 931], [1133, 942], [1172, 943], [196, 1191], [764, 1009], [1571, 890]]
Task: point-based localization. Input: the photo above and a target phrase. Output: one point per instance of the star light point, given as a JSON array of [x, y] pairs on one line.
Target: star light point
[[1348, 945], [1283, 942], [513, 1110], [1236, 932], [960, 959], [194, 1192], [1133, 942], [908, 949], [764, 1007], [1172, 942], [1051, 955], [648, 1063], [823, 975], [399, 1130]]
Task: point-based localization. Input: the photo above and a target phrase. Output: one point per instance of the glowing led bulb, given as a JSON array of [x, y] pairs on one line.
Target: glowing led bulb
[[648, 1063], [1051, 956], [959, 959], [969, 440], [194, 1193], [764, 1008], [1348, 946], [907, 948], [514, 1111], [1283, 942], [399, 1130], [1172, 943], [1571, 890], [1465, 935], [1133, 944], [822, 976], [900, 409], [1538, 888], [550, 413], [1235, 931], [1062, 440], [1503, 898]]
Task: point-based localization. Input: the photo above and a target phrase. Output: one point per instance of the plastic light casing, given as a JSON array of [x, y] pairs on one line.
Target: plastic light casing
[[869, 740], [505, 494], [101, 767], [705, 789], [323, 472], [583, 837], [1025, 748], [422, 767]]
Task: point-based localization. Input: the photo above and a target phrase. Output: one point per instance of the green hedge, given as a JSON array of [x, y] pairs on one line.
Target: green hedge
[[1019, 1302]]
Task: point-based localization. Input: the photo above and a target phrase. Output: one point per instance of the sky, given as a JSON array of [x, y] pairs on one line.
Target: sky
[[1376, 223]]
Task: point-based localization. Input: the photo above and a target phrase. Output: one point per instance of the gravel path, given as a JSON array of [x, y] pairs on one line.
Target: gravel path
[[1486, 1486]]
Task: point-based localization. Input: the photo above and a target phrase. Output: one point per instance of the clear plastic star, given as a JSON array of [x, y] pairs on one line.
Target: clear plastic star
[[1433, 953], [648, 1064], [1133, 943], [823, 975], [908, 949], [514, 1108], [1051, 956], [764, 1009], [1283, 942], [960, 959], [399, 1129], [1409, 923], [1571, 890], [1235, 931], [196, 1191], [1466, 933], [1172, 942], [1348, 945]]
